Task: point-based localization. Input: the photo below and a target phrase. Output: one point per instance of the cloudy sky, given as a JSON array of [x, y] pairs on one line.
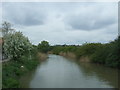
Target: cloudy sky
[[64, 22]]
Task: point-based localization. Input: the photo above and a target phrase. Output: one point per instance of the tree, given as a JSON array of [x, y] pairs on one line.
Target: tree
[[6, 28], [44, 46], [16, 45]]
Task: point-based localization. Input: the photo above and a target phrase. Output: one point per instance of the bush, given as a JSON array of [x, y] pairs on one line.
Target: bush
[[15, 45], [87, 49], [12, 69]]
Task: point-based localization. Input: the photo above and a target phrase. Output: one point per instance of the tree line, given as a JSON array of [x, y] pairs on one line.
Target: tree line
[[107, 54]]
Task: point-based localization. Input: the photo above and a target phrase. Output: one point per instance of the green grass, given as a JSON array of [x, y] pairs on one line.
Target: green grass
[[12, 71]]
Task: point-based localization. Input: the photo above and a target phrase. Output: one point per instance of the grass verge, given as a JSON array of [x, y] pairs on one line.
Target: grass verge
[[13, 70]]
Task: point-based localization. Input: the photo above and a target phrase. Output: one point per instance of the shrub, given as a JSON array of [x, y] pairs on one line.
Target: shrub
[[15, 45]]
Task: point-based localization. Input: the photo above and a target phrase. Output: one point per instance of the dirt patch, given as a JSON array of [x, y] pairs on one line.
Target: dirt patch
[[42, 56], [68, 55], [84, 59], [50, 52], [73, 56]]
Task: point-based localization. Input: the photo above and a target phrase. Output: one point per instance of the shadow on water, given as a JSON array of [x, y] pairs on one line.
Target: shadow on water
[[27, 78], [105, 74]]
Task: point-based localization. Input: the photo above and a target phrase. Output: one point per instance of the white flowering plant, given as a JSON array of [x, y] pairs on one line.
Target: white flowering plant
[[16, 44]]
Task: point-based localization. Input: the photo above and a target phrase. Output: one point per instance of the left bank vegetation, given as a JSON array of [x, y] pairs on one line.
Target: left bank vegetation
[[20, 54]]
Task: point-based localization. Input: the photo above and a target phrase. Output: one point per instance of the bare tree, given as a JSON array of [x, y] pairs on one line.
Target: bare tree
[[6, 28]]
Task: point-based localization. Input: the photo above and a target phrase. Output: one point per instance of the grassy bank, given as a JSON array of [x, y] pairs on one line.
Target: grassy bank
[[22, 56], [12, 71], [106, 54]]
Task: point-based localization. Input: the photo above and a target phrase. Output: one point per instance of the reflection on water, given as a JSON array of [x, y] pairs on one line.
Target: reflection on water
[[59, 72], [104, 74]]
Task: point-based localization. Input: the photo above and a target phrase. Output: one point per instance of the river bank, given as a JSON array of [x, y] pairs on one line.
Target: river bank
[[106, 54], [12, 71], [82, 59], [71, 55], [42, 56]]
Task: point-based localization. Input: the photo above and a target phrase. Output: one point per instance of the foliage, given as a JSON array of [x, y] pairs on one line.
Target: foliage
[[87, 49], [10, 82], [44, 47], [113, 59], [21, 52], [15, 45], [63, 48], [12, 70], [107, 54], [100, 55]]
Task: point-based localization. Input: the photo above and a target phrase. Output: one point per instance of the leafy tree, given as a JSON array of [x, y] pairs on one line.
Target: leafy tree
[[15, 45], [6, 28], [44, 46]]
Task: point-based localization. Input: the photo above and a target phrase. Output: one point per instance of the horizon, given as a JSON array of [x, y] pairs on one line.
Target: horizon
[[72, 23]]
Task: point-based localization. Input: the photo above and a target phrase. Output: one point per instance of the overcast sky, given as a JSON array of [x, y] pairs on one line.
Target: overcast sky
[[64, 22]]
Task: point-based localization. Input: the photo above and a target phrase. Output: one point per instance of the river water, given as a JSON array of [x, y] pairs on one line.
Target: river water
[[60, 72]]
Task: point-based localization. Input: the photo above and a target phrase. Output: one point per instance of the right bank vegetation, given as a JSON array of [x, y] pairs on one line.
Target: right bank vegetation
[[107, 54]]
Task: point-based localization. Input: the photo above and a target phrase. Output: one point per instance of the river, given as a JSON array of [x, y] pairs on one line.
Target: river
[[61, 72]]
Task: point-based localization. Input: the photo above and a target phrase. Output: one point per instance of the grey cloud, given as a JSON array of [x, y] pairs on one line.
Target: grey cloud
[[29, 19], [88, 23], [20, 13], [93, 17]]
